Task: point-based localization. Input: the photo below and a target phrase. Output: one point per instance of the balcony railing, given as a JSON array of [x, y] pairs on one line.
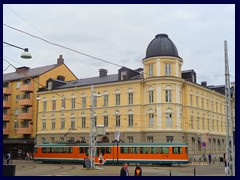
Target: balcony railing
[[25, 130], [6, 130], [25, 115], [7, 89], [26, 100], [26, 87], [6, 117], [6, 104]]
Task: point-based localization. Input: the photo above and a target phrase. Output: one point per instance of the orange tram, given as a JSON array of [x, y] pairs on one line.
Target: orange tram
[[144, 153]]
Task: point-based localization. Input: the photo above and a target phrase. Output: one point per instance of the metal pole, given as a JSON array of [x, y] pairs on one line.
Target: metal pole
[[194, 171], [230, 153], [92, 142], [25, 49]]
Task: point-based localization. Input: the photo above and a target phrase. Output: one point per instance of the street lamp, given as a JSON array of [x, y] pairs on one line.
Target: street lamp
[[92, 135], [25, 54]]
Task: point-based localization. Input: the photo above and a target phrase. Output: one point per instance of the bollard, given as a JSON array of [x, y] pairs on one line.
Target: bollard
[[213, 162], [194, 171], [170, 173]]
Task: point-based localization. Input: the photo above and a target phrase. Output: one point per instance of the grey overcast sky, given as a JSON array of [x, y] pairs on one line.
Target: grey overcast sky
[[120, 34]]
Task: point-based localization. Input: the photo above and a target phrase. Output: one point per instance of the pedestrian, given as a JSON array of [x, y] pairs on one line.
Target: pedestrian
[[138, 170], [226, 168], [209, 158], [124, 171], [100, 158], [8, 157]]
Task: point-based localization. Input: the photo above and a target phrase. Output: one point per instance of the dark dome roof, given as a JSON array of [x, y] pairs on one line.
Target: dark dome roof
[[161, 45]]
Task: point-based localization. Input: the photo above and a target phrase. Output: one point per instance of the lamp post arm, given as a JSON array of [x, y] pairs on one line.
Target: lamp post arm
[[25, 49]]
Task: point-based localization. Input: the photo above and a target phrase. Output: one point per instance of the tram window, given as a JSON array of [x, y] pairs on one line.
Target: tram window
[[124, 150], [70, 150], [154, 150], [87, 151], [81, 149], [177, 150], [143, 150], [102, 150], [164, 150], [134, 150], [108, 150], [186, 150], [48, 150], [36, 150], [44, 150]]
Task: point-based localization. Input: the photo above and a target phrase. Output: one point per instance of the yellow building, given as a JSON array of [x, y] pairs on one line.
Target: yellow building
[[156, 103], [20, 104]]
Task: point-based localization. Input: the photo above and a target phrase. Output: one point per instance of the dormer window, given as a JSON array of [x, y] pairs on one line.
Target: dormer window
[[123, 75], [49, 85]]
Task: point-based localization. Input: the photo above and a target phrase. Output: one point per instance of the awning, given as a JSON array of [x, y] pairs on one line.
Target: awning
[[18, 141]]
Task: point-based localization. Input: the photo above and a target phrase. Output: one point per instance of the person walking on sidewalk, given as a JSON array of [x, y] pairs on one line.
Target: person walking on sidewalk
[[124, 171], [138, 170], [210, 158]]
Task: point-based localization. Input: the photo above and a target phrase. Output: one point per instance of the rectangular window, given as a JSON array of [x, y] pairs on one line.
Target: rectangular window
[[202, 102], [143, 150], [117, 99], [168, 70], [192, 121], [216, 106], [43, 125], [130, 139], [207, 105], [44, 106], [43, 141], [150, 70], [105, 121], [73, 103], [198, 126], [197, 101], [168, 95], [61, 139], [208, 123], [17, 98], [168, 120], [164, 150], [150, 96], [105, 99], [154, 150], [52, 139], [95, 121], [150, 138], [83, 122], [49, 85], [15, 124], [130, 120], [151, 119], [217, 125], [130, 98], [95, 101], [191, 98], [83, 102], [5, 111], [177, 150], [16, 112], [213, 124], [203, 126], [63, 103], [53, 104], [123, 75], [73, 122], [18, 84], [62, 123], [53, 124], [117, 120]]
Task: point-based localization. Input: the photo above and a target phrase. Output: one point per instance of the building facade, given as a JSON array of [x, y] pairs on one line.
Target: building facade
[[156, 103], [20, 104]]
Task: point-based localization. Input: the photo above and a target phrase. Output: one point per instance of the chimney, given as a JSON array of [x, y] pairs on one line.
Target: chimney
[[60, 60], [61, 78], [204, 83], [22, 69], [102, 72]]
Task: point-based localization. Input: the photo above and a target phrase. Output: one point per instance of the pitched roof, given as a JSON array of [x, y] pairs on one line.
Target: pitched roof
[[30, 72], [90, 81]]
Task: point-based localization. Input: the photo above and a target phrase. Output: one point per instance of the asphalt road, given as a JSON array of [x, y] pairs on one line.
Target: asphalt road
[[30, 168]]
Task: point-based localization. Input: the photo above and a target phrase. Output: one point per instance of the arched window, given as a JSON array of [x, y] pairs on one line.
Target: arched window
[[83, 115], [63, 121], [117, 97], [53, 103], [169, 122], [105, 98], [168, 93], [150, 94], [72, 121], [53, 121], [150, 117], [130, 118], [43, 122]]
